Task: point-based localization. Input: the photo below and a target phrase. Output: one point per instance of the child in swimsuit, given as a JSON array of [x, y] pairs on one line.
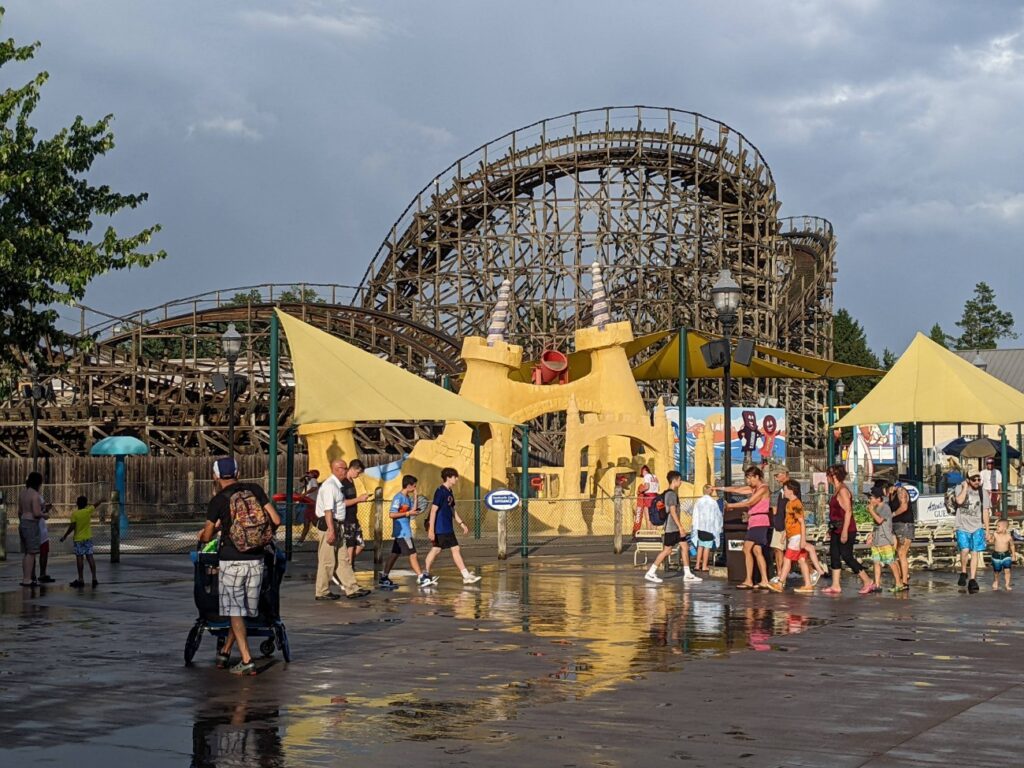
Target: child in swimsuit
[[1003, 555]]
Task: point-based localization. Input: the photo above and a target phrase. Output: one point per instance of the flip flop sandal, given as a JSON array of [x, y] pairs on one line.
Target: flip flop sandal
[[738, 586]]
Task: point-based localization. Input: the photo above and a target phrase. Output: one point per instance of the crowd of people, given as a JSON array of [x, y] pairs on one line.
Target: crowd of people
[[242, 519], [776, 537]]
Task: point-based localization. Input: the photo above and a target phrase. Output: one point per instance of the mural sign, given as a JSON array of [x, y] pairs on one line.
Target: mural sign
[[756, 436]]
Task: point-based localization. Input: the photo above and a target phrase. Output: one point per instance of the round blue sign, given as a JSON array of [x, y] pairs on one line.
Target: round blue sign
[[502, 500]]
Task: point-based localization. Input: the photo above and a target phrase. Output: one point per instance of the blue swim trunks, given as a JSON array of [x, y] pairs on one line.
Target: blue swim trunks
[[973, 540], [1001, 561]]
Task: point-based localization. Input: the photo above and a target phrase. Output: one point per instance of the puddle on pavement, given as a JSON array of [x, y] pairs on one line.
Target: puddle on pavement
[[581, 635]]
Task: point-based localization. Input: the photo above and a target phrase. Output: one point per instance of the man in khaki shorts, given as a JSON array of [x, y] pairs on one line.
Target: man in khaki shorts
[[778, 542]]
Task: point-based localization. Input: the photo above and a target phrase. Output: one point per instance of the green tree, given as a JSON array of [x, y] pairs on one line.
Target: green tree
[[298, 296], [48, 250], [851, 346], [888, 359], [983, 324], [939, 336]]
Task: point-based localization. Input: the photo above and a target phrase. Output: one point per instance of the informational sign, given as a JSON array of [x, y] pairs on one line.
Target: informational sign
[[756, 435], [913, 493], [502, 500], [882, 441], [932, 510]]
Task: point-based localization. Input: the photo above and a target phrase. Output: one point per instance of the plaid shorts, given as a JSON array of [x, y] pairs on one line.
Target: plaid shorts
[[240, 587]]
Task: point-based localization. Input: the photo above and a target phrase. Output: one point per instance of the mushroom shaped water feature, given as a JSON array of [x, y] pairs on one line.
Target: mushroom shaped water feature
[[120, 446]]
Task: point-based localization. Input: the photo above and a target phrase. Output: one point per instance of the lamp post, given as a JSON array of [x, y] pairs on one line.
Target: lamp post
[[430, 369], [725, 294], [231, 345], [35, 394]]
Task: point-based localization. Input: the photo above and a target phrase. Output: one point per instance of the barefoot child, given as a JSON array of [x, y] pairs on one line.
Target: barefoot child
[[882, 540], [796, 535], [81, 527], [1003, 554], [707, 521]]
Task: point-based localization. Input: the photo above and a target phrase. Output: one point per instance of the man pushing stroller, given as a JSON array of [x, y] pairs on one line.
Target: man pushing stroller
[[247, 521]]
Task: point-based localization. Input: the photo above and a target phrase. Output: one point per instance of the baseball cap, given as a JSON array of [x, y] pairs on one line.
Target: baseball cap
[[779, 467], [225, 468]]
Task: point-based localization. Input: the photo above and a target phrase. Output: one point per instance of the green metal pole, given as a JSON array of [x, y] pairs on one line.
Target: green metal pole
[[476, 481], [1004, 501], [275, 331], [524, 495], [830, 448], [919, 457], [289, 504], [681, 415]]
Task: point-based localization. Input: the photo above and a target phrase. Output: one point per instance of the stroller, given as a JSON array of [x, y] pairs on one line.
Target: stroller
[[267, 623]]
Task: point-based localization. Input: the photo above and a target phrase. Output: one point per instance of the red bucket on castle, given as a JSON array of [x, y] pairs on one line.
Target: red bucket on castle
[[553, 366]]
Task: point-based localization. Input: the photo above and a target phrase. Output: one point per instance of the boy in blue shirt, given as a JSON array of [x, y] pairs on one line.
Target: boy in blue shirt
[[441, 526], [403, 508]]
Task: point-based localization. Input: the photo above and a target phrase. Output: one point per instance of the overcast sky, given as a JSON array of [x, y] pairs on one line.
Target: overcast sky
[[279, 139]]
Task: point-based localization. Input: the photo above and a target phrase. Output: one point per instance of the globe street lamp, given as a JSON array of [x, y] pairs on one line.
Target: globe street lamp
[[979, 362], [35, 393], [231, 346], [840, 390], [725, 294], [430, 369]]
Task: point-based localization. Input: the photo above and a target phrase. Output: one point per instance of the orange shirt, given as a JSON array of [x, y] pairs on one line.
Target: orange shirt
[[794, 516]]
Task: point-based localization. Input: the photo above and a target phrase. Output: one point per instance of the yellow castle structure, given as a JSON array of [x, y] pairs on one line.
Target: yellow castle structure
[[609, 433]]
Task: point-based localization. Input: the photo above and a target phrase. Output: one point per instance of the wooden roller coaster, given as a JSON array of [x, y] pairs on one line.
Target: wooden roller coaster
[[662, 198]]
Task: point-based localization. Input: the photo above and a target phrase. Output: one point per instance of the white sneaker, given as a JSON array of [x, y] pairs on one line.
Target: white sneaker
[[691, 577], [814, 578], [774, 580], [652, 577], [471, 579]]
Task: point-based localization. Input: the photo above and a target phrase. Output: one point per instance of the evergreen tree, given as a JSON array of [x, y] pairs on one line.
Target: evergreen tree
[[983, 324], [888, 359], [939, 336], [850, 345]]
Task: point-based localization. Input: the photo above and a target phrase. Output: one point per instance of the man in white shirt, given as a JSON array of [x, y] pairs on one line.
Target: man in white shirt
[[332, 557], [991, 484]]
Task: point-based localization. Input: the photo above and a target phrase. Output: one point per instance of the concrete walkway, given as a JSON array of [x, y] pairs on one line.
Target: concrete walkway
[[569, 662]]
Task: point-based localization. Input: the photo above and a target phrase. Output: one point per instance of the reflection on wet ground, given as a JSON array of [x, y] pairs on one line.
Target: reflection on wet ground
[[456, 666]]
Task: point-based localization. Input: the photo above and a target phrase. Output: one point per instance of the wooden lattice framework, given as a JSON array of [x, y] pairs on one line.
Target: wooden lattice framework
[[663, 199]]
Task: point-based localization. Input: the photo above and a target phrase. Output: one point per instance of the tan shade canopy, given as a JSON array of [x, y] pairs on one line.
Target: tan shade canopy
[[931, 385], [335, 381]]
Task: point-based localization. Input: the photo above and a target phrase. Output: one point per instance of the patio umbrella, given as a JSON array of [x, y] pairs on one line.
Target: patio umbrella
[[984, 447]]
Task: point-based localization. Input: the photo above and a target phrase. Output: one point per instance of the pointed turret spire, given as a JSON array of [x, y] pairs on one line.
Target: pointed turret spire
[[499, 318], [601, 317]]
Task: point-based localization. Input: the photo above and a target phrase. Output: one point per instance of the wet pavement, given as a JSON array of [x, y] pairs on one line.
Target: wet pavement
[[571, 661]]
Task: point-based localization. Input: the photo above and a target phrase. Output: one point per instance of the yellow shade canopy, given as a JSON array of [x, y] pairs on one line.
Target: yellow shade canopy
[[931, 385], [335, 381], [664, 365]]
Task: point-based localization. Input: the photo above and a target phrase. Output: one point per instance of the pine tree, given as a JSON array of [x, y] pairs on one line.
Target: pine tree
[[850, 345], [983, 324], [939, 336]]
